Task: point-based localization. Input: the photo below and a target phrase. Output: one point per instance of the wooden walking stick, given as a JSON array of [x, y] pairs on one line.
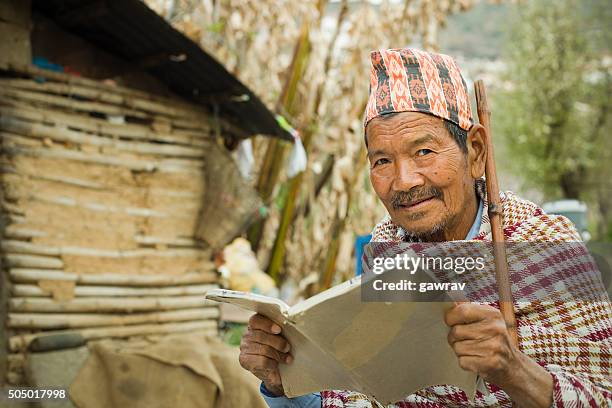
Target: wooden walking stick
[[495, 216]]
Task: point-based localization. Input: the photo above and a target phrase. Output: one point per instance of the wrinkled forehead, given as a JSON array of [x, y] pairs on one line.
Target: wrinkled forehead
[[399, 124]]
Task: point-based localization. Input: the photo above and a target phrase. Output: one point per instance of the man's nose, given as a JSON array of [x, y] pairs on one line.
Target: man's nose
[[407, 176]]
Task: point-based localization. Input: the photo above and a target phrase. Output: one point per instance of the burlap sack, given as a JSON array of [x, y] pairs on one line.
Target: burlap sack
[[179, 371]]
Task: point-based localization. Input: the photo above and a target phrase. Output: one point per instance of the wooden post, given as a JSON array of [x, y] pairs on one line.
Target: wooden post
[[15, 22], [495, 215]]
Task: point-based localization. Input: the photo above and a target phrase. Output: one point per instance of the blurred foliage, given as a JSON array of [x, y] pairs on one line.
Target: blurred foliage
[[233, 333], [556, 101], [477, 33]]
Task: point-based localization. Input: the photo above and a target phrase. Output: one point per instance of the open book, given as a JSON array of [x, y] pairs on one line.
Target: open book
[[386, 350]]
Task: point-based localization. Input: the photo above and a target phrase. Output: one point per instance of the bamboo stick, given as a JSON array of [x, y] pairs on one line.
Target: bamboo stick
[[164, 248], [104, 96], [188, 195], [32, 261], [326, 277], [67, 135], [11, 208], [25, 290], [21, 342], [495, 216], [295, 184], [106, 304], [63, 89], [15, 219], [63, 179], [34, 275], [15, 367], [84, 107], [46, 321], [278, 249], [275, 151], [15, 360], [102, 126], [195, 167], [182, 213], [12, 246], [87, 93], [320, 181], [179, 242], [208, 332], [165, 102], [13, 140], [73, 104], [61, 77], [15, 232], [22, 247], [195, 122], [15, 377]]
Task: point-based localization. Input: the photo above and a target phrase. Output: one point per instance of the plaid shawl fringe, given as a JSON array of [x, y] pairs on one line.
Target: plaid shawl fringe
[[571, 340]]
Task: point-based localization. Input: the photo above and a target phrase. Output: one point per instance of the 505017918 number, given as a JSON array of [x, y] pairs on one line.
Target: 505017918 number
[[35, 394]]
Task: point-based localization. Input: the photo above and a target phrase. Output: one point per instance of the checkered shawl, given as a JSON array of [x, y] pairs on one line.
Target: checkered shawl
[[571, 340]]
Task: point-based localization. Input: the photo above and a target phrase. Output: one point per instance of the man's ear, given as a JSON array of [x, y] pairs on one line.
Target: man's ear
[[477, 150]]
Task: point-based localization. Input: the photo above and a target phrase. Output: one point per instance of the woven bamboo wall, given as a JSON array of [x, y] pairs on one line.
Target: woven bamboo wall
[[101, 187]]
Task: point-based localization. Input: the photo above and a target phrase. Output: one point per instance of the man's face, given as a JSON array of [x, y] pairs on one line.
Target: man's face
[[419, 172]]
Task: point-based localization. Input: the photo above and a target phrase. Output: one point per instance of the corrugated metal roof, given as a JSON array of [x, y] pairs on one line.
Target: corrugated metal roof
[[130, 30]]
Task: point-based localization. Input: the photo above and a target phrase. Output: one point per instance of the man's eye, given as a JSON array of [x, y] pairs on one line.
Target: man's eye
[[424, 152], [381, 161]]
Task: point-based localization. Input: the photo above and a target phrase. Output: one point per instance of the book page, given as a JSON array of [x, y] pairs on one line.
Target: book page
[[311, 366], [389, 349], [274, 309]]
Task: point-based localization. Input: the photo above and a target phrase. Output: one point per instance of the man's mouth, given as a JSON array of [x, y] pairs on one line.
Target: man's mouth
[[415, 199], [416, 204]]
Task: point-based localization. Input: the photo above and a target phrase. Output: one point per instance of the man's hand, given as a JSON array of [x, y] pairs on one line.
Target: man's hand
[[480, 339], [261, 350]]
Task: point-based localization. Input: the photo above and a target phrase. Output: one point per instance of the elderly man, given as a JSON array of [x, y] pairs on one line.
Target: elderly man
[[427, 160]]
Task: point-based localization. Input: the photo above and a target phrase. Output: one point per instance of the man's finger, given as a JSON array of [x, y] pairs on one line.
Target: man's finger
[[273, 340], [264, 368], [260, 322], [468, 348], [465, 313], [469, 363], [259, 363], [265, 350], [471, 331]]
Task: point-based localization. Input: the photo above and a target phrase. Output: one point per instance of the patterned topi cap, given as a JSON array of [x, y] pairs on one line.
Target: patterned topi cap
[[411, 80]]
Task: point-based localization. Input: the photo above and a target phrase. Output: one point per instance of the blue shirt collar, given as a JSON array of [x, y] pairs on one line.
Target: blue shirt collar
[[473, 232]]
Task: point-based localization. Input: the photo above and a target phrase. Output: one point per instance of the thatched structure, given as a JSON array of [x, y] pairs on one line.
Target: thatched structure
[[108, 186]]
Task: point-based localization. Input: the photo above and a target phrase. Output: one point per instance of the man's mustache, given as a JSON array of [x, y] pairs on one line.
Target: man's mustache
[[414, 195]]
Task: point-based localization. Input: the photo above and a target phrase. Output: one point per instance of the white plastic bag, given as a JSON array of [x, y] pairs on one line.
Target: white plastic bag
[[244, 158], [297, 158]]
